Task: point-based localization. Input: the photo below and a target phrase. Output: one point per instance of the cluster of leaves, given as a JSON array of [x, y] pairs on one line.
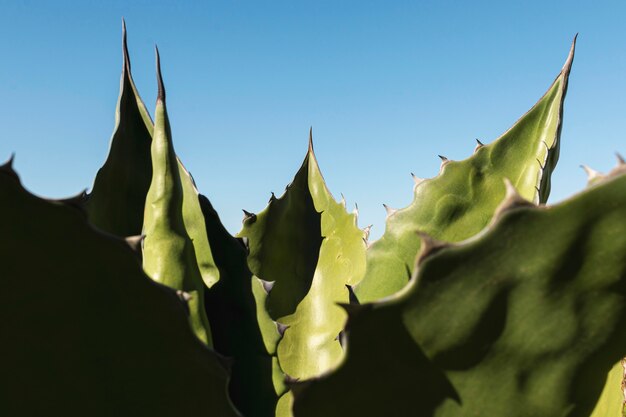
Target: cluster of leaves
[[478, 299]]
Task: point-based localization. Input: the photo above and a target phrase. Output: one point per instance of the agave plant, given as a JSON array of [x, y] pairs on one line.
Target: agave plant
[[478, 299]]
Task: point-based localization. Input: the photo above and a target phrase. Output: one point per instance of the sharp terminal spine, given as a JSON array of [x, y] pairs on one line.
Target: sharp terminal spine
[[161, 86]]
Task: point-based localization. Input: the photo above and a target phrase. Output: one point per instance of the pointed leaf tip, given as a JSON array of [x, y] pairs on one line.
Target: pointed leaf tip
[[8, 165], [125, 55], [620, 159], [311, 139], [570, 58], [161, 91]]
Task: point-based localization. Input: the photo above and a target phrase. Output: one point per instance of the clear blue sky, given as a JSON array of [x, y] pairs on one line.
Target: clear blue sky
[[386, 86]]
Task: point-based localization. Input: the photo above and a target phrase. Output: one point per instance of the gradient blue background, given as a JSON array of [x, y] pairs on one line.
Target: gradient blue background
[[386, 86]]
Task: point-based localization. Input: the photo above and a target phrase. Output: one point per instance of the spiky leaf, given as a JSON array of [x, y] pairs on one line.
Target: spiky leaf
[[84, 330], [311, 248], [284, 242], [460, 202], [118, 196], [168, 252], [497, 339], [310, 344], [116, 203], [612, 402], [240, 326]]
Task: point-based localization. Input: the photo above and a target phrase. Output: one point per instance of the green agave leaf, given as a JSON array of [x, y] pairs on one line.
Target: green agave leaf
[[168, 252], [612, 402], [525, 319], [284, 243], [117, 201], [194, 221], [310, 248], [461, 200], [85, 331], [240, 325], [310, 346]]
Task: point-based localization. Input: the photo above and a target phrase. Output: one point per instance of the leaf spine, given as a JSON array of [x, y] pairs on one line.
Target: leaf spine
[[135, 243], [592, 174], [429, 246], [311, 140], [366, 232], [416, 180], [161, 87], [184, 296], [248, 216], [444, 161], [479, 145], [542, 166], [8, 165], [351, 295], [512, 199], [570, 57], [125, 54], [282, 328], [267, 285], [390, 211]]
